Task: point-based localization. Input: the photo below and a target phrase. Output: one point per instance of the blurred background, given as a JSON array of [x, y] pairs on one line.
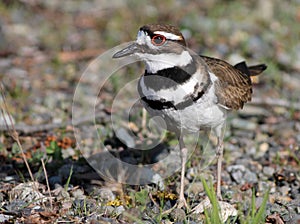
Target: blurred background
[[45, 45]]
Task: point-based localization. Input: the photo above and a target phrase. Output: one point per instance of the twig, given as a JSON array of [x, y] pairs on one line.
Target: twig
[[47, 182], [153, 201]]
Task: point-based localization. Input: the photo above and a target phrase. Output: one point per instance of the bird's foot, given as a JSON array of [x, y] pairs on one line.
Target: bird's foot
[[182, 203], [219, 196]]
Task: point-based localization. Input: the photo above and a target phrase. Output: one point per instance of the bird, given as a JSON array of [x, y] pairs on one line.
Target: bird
[[189, 91]]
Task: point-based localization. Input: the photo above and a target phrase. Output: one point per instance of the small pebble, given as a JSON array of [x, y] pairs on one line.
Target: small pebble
[[284, 190], [178, 215], [263, 186], [264, 147], [250, 177], [191, 173], [158, 180], [196, 187], [78, 194], [106, 194], [119, 210], [268, 171]]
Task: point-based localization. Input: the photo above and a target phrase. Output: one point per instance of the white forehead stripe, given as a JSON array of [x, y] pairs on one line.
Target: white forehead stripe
[[169, 36], [142, 37]]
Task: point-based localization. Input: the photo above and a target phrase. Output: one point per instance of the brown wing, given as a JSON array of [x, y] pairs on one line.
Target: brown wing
[[234, 88]]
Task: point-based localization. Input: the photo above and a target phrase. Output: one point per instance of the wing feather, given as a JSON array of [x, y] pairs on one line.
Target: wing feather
[[233, 87]]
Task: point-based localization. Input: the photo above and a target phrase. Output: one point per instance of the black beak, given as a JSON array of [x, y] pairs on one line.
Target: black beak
[[131, 49]]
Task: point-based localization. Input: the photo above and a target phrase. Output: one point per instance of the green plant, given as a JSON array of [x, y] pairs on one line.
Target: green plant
[[54, 150], [141, 198], [69, 179], [255, 216], [211, 216]]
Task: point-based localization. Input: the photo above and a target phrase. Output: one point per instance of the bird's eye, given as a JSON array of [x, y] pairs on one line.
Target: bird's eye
[[158, 40]]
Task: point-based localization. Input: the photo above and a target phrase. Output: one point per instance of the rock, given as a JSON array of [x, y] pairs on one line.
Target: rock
[[191, 173], [159, 181], [195, 187], [119, 210], [284, 190], [61, 194], [241, 174], [178, 215], [295, 191], [236, 167], [250, 176], [78, 194], [268, 171], [236, 172], [9, 178], [251, 151], [263, 186], [106, 194], [237, 176], [262, 149]]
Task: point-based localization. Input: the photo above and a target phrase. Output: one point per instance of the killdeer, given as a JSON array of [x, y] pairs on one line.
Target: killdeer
[[189, 91]]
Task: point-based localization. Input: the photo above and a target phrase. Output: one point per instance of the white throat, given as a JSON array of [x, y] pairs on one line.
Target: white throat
[[156, 62]]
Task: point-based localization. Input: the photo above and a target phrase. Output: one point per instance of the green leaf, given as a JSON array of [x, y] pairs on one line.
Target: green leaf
[[215, 216], [260, 215]]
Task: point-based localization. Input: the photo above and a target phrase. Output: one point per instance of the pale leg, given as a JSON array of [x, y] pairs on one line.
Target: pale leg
[[183, 155], [219, 152], [220, 148]]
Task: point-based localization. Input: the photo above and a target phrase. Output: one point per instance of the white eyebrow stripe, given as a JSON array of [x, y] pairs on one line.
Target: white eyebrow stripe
[[169, 36]]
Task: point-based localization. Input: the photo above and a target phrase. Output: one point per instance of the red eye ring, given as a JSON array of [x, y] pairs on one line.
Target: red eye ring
[[158, 40]]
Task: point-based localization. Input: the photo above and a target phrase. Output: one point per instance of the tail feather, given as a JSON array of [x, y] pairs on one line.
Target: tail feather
[[250, 70], [257, 69]]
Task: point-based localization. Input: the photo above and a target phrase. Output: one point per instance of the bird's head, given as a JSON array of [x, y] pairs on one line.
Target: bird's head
[[159, 46]]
